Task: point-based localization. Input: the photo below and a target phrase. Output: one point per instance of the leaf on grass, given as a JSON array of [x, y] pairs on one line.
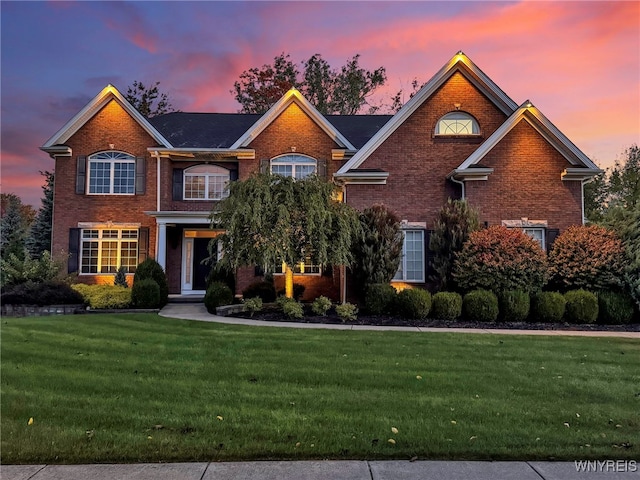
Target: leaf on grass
[[566, 424], [453, 422], [219, 417], [394, 430], [391, 441], [419, 377], [472, 437], [158, 427], [30, 422]]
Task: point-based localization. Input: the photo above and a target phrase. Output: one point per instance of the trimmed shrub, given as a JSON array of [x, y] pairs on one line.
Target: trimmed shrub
[[146, 294], [414, 303], [41, 294], [120, 279], [582, 306], [513, 305], [378, 249], [104, 296], [218, 294], [380, 298], [321, 305], [500, 259], [614, 308], [150, 269], [293, 309], [347, 312], [480, 305], [253, 305], [446, 305], [547, 307], [15, 269], [587, 257], [265, 290]]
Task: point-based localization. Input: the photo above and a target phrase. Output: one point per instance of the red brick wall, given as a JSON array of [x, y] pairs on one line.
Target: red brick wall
[[418, 162], [526, 182], [315, 285], [111, 125]]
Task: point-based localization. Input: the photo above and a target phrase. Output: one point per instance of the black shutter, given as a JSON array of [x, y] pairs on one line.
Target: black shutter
[[264, 165], [550, 237], [141, 175], [428, 254], [177, 184], [143, 244], [233, 175], [258, 271], [322, 168], [81, 174], [74, 250]]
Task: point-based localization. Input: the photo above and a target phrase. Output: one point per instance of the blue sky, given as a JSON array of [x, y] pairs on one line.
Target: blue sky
[[579, 62]]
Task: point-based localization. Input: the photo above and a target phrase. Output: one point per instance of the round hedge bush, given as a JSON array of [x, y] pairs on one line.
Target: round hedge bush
[[582, 306], [547, 307], [446, 305], [514, 306], [150, 269], [146, 294], [380, 298], [41, 294], [265, 290], [218, 294], [614, 308], [480, 305], [414, 303]]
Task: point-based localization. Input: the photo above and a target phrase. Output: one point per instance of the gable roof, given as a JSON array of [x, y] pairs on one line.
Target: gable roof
[[292, 96], [107, 94], [548, 130], [459, 63]]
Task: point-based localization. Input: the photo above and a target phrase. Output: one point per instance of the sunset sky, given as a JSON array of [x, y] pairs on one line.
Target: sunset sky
[[578, 62]]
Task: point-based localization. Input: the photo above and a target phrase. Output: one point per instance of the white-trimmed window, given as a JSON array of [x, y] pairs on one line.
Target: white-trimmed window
[[112, 173], [537, 234], [294, 165], [457, 123], [303, 268], [105, 250], [206, 182], [412, 263]]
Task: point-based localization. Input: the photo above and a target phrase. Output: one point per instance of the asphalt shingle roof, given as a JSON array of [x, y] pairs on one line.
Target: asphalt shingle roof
[[221, 130]]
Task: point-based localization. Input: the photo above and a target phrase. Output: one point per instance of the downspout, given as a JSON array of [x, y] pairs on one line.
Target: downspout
[[156, 155], [460, 182], [583, 182], [343, 268]]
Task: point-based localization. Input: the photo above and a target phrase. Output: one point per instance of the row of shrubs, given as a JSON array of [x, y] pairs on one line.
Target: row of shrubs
[[575, 306]]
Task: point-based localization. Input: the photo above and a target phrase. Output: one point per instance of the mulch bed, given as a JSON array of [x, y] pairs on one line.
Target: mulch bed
[[271, 314]]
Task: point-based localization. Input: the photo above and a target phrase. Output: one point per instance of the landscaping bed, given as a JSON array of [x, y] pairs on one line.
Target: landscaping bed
[[271, 313]]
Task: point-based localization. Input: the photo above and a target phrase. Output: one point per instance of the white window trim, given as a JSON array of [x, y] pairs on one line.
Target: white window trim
[[111, 157], [206, 175], [403, 260], [288, 160], [100, 239], [527, 226], [475, 126]]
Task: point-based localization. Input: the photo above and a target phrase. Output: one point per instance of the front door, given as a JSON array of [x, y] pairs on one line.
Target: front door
[[195, 250]]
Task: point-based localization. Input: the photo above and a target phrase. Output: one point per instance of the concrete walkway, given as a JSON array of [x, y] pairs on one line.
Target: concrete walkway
[[330, 470], [197, 311]]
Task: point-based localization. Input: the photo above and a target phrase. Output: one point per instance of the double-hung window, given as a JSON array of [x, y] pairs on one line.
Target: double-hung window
[[307, 267], [537, 234], [206, 182], [296, 166], [412, 263], [105, 250], [112, 173]]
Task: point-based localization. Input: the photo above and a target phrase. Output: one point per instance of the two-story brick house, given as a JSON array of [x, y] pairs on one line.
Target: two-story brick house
[[129, 187]]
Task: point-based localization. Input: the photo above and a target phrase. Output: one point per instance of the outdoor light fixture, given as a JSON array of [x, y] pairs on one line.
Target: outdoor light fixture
[[112, 146], [457, 105]]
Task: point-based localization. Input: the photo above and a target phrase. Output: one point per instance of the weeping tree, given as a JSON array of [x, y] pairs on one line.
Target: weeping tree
[[272, 220], [378, 249], [455, 221]]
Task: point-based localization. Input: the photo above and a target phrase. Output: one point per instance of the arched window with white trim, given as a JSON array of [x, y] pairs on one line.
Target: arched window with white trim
[[457, 123], [112, 173], [206, 182], [294, 165]]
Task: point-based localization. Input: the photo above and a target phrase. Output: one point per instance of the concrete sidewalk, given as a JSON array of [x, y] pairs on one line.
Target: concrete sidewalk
[[329, 470], [197, 311]]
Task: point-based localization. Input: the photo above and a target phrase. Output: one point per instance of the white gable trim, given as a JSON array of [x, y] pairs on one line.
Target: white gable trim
[[107, 94], [550, 132], [292, 96], [460, 62]]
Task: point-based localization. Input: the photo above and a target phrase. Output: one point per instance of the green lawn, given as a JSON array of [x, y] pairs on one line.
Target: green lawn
[[142, 388]]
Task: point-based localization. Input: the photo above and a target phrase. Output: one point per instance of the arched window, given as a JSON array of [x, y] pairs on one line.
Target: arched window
[[457, 123], [206, 182], [112, 172], [294, 165]]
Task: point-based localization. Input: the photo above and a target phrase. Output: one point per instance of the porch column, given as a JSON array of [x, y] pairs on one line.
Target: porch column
[[162, 245]]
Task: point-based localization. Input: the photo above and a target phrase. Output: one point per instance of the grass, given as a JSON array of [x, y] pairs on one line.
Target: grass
[[142, 388]]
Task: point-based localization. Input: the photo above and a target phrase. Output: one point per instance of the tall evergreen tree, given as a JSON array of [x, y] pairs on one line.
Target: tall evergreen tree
[[39, 238], [13, 228]]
